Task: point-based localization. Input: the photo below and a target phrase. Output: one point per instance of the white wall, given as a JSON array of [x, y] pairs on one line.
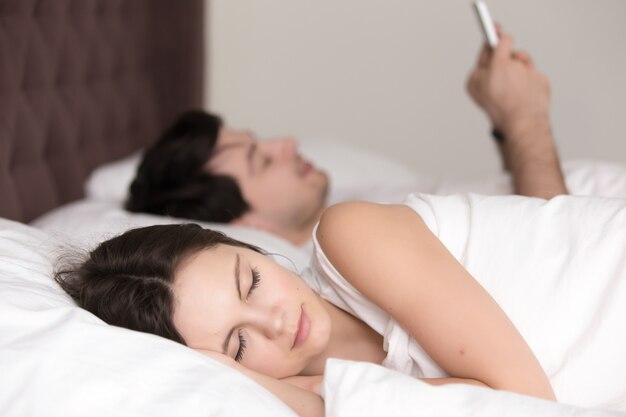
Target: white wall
[[390, 74]]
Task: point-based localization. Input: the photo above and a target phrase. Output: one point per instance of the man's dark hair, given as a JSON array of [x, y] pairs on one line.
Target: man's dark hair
[[127, 281], [170, 180]]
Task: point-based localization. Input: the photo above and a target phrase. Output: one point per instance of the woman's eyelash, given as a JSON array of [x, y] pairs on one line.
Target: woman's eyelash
[[242, 347], [256, 279]]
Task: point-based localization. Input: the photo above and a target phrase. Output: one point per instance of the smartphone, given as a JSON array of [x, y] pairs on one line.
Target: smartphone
[[486, 23]]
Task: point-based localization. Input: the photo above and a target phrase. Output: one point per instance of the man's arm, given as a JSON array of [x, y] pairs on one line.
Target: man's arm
[[516, 98]]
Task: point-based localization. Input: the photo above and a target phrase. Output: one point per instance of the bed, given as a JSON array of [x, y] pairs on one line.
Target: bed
[[87, 84]]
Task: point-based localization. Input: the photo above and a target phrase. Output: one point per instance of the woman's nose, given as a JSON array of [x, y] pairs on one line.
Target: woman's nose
[[269, 321]]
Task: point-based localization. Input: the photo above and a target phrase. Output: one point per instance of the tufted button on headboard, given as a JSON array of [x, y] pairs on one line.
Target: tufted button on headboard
[[83, 82]]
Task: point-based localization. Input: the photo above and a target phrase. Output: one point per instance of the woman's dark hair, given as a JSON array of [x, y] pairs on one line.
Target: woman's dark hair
[[127, 281], [170, 179]]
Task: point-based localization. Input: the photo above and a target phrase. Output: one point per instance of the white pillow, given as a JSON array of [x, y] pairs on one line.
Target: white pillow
[[352, 166], [89, 222], [110, 182], [59, 360]]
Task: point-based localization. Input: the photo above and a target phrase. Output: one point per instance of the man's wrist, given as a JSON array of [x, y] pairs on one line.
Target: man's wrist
[[526, 128], [497, 135], [526, 143]]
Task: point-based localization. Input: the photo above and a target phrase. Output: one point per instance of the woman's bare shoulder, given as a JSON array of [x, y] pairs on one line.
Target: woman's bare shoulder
[[353, 228]]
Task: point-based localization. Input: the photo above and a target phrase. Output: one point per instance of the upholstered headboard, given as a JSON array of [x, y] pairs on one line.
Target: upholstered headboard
[[83, 82]]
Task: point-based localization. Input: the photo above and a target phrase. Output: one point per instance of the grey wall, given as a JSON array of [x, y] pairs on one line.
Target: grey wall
[[390, 74]]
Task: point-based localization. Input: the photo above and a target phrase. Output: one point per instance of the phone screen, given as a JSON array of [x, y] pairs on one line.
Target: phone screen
[[486, 23]]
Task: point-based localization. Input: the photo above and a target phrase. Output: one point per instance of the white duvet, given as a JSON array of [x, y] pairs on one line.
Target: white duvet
[[558, 269], [361, 389]]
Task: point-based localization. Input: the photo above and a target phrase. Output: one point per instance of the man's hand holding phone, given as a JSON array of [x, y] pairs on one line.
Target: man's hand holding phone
[[516, 98], [505, 83]]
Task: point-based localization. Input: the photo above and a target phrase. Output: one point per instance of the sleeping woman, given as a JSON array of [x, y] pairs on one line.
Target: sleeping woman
[[510, 293]]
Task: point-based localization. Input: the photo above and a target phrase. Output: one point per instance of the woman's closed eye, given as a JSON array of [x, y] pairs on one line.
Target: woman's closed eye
[[256, 279], [242, 347]]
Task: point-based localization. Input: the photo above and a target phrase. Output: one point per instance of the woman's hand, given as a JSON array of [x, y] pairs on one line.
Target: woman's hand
[[299, 393]]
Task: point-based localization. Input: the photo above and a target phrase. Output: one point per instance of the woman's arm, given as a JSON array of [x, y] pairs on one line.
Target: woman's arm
[[304, 402], [391, 257]]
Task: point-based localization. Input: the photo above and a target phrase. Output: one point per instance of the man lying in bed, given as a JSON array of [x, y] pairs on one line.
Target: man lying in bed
[[201, 170]]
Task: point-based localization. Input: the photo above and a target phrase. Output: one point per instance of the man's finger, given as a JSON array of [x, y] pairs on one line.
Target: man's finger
[[524, 58], [498, 29], [503, 50], [483, 56]]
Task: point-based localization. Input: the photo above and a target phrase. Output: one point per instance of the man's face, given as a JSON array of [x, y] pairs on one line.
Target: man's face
[[285, 192]]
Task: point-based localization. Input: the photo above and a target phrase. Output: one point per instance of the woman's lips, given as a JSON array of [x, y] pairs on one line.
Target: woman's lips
[[302, 333]]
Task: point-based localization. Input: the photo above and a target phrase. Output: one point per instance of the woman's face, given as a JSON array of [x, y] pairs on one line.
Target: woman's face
[[239, 302]]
